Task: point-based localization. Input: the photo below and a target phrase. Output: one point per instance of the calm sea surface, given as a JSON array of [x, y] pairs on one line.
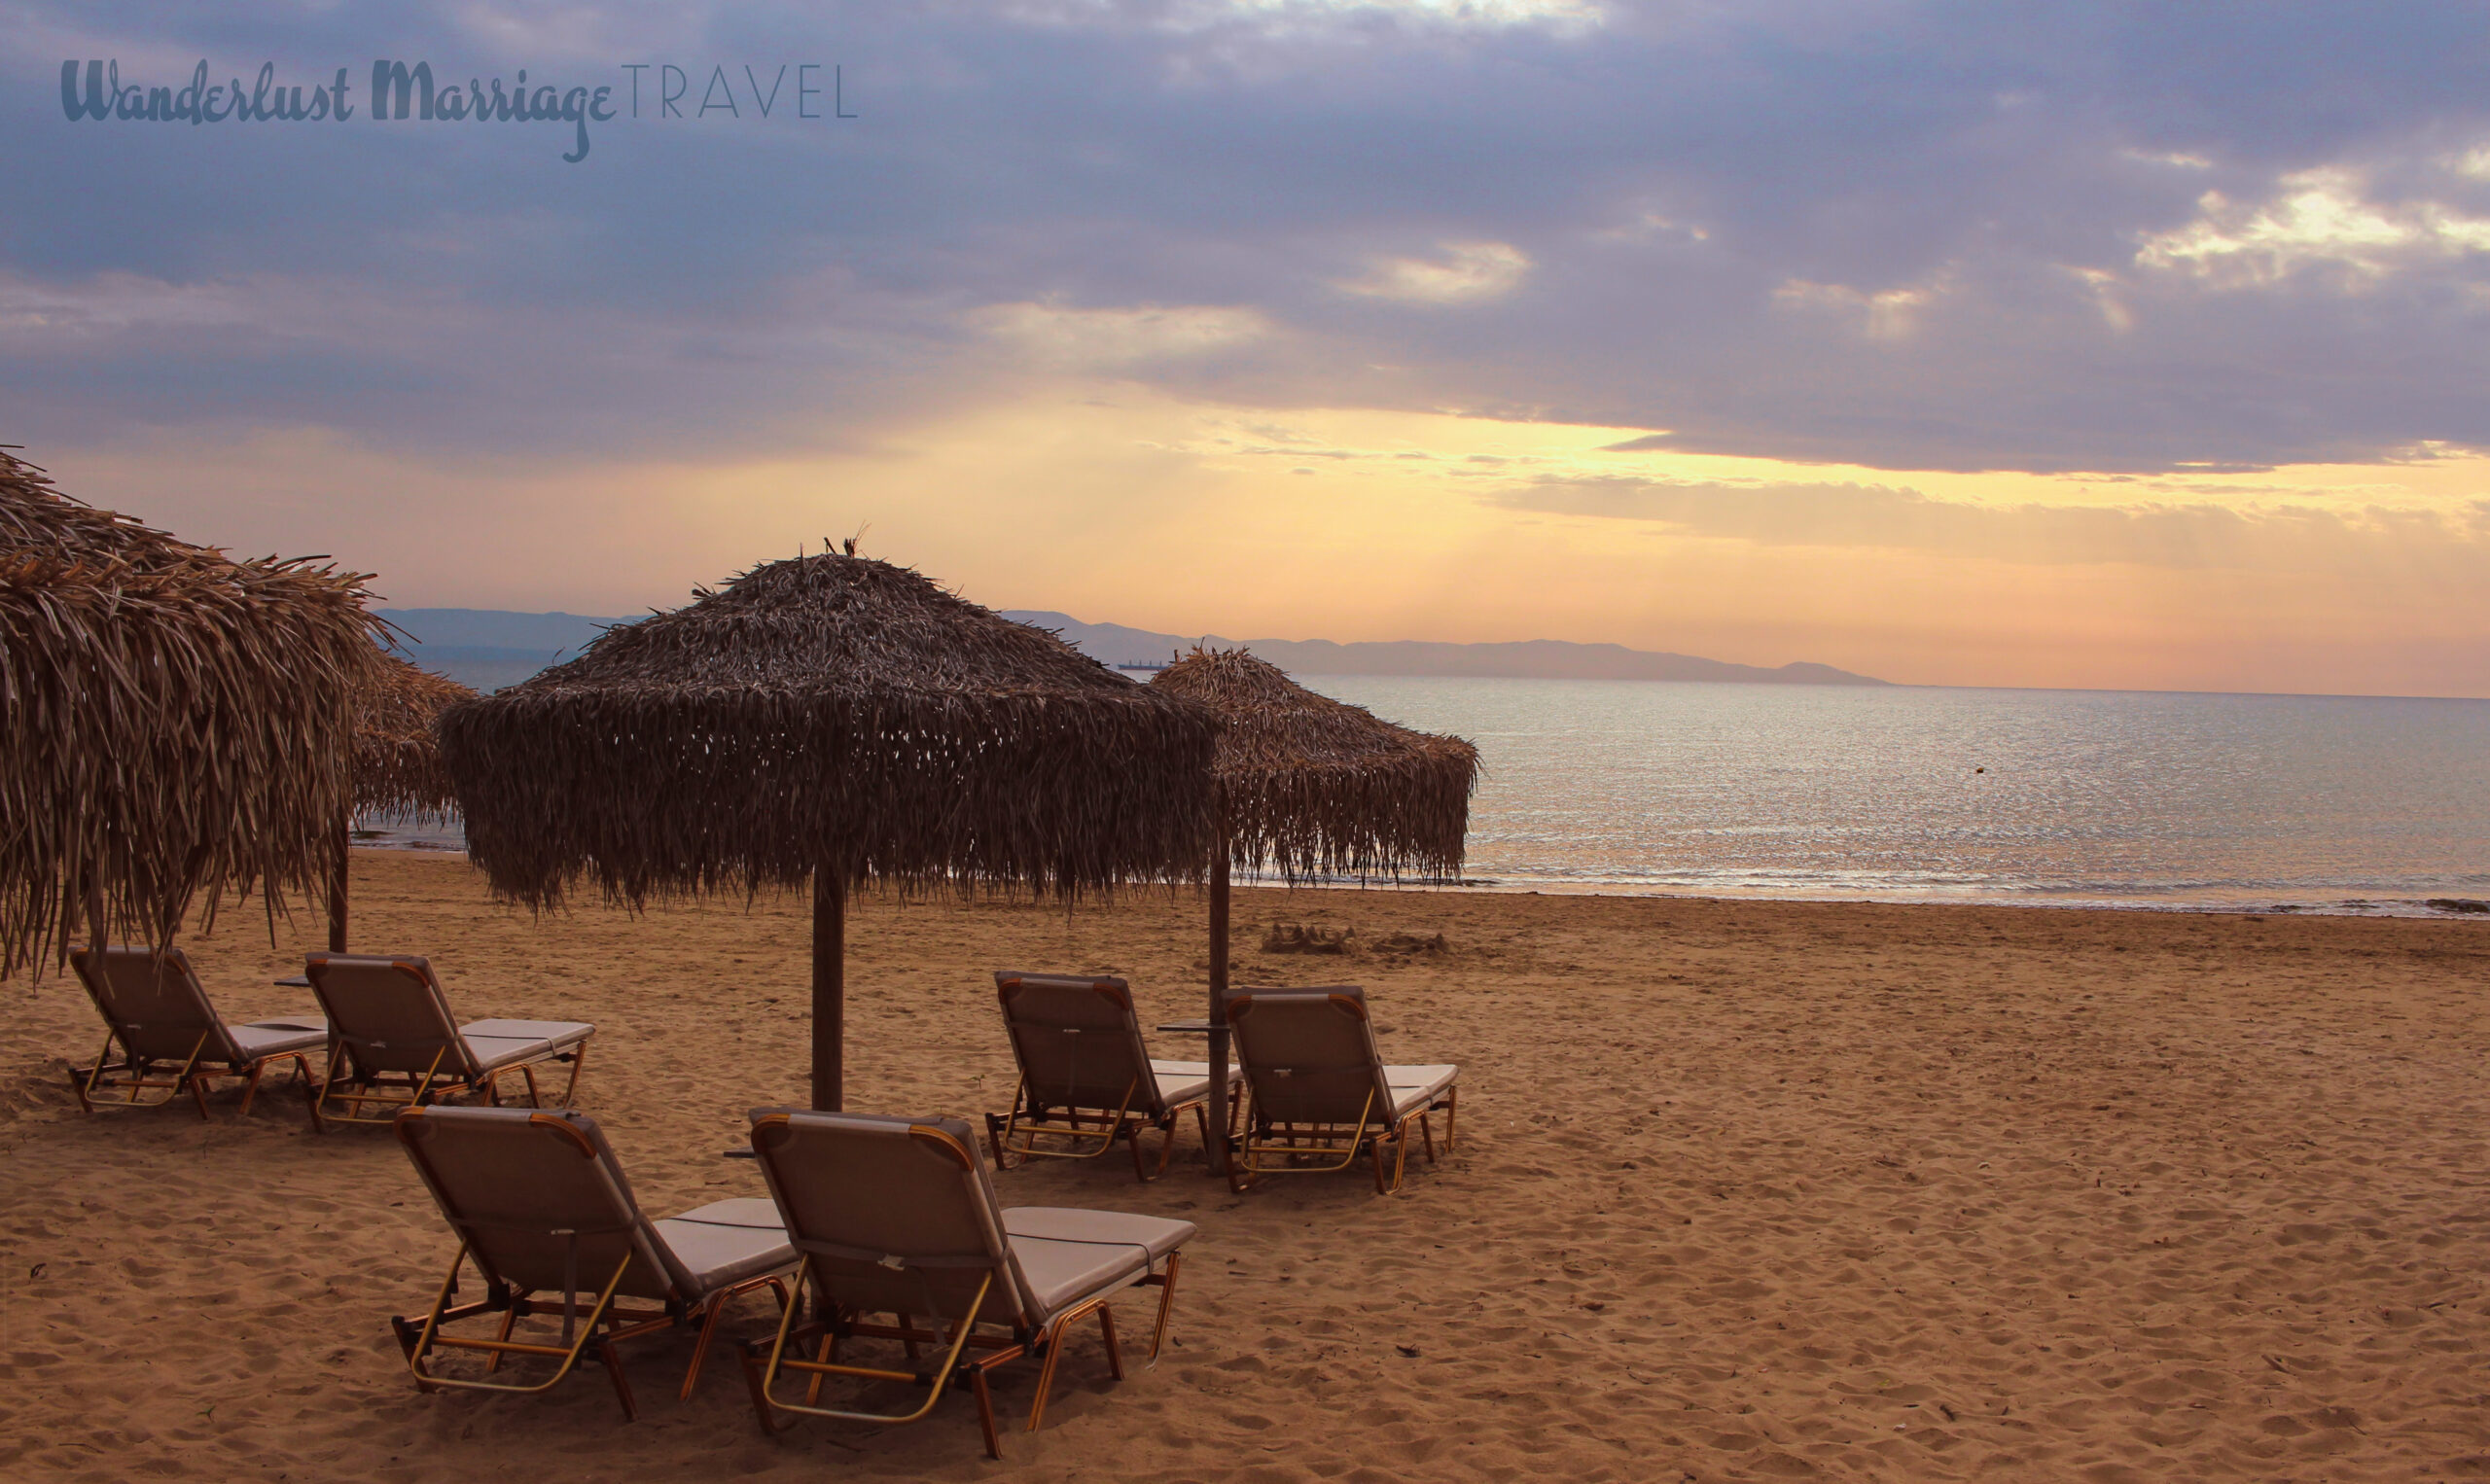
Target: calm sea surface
[[2048, 796], [2134, 799]]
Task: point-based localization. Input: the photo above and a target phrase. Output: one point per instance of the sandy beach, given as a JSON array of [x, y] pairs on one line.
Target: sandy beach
[[1746, 1190]]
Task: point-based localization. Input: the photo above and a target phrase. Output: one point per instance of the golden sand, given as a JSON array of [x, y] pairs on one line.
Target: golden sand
[[1746, 1190]]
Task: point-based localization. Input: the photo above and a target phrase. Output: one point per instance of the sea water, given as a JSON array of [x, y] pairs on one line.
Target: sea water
[[2135, 799], [2325, 803]]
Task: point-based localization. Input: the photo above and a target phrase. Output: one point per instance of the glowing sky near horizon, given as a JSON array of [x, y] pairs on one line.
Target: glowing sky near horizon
[[2042, 345]]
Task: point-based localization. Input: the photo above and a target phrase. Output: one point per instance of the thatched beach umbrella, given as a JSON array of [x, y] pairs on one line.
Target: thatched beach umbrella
[[1313, 787], [171, 722], [834, 720], [397, 759]]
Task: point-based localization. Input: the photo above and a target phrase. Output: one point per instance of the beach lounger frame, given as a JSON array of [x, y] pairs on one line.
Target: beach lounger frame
[[359, 1068], [1308, 1055], [1061, 1110], [180, 1030], [1004, 1319], [647, 1261]]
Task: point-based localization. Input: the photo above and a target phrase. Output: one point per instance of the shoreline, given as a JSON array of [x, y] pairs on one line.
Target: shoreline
[[2400, 908]]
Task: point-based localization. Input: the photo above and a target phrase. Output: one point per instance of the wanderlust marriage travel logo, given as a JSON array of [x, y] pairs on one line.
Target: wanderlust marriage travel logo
[[401, 92]]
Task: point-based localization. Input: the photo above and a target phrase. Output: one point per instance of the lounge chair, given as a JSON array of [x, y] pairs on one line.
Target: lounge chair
[[930, 1242], [157, 1009], [547, 1219], [1320, 1091], [1085, 1075], [388, 1017]]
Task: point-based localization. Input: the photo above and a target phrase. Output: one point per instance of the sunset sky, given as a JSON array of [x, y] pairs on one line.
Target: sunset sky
[[2096, 344]]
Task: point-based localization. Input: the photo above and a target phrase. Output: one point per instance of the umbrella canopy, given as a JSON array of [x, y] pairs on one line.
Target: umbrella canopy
[[1318, 786], [1313, 787], [172, 721], [397, 756], [833, 718], [397, 761]]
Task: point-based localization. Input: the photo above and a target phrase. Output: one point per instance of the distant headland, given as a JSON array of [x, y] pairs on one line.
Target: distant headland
[[1526, 660]]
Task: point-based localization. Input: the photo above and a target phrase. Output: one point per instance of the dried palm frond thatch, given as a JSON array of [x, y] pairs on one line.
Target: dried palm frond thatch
[[836, 720], [1320, 788], [397, 762], [172, 721], [396, 754], [828, 710]]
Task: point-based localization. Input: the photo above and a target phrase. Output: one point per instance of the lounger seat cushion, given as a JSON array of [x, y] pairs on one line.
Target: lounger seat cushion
[[726, 1242], [499, 1044], [1414, 1087], [263, 1038], [1187, 1081], [1070, 1254]]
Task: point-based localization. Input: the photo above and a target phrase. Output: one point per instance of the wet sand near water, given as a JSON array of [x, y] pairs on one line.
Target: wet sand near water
[[1746, 1190]]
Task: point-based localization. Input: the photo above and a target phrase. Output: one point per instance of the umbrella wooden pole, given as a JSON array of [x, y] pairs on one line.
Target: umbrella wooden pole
[[338, 891], [1218, 997], [830, 990]]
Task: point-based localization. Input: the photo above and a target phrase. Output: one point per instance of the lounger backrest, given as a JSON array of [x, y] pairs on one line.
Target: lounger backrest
[[539, 1199], [390, 1013], [1310, 1055], [897, 1214], [154, 1003], [1078, 1042]]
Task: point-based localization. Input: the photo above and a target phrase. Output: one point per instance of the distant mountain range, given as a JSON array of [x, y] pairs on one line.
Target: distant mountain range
[[1528, 658], [489, 648]]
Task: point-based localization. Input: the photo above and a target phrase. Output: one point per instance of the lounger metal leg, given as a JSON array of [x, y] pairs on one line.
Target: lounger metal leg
[[535, 1099], [828, 1352], [613, 1355], [86, 1086], [1107, 1332], [510, 1322], [1166, 1281], [571, 1090], [1427, 1131], [1451, 1111], [301, 1073], [1166, 1149], [251, 1089], [328, 1080], [1052, 1338], [1167, 1142], [985, 1413], [717, 1309]]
